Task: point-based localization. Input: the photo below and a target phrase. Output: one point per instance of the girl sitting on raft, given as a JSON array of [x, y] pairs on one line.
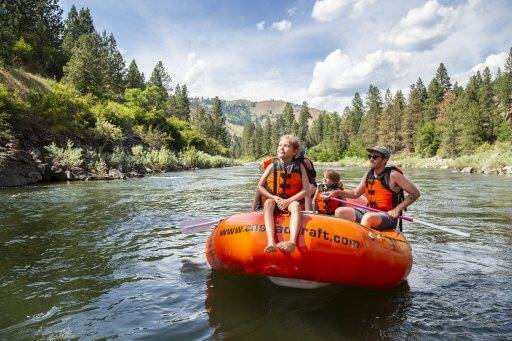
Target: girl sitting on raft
[[283, 183], [331, 182]]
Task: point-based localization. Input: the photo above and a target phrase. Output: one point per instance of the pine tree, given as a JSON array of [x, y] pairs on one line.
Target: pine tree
[[369, 123], [288, 118], [248, 140], [184, 103], [503, 86], [449, 123], [384, 120], [412, 116], [86, 68], [488, 108], [160, 78], [218, 129], [443, 79], [304, 117], [257, 147], [134, 78], [435, 94], [355, 115], [267, 146], [115, 66], [201, 121]]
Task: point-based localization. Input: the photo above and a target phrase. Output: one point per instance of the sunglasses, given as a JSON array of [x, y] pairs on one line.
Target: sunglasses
[[373, 156]]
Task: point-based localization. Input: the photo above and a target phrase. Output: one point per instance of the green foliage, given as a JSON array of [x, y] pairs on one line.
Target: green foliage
[[161, 160], [356, 148], [65, 109], [154, 138], [192, 158], [107, 132], [34, 23], [323, 153], [427, 140], [22, 52], [67, 157]]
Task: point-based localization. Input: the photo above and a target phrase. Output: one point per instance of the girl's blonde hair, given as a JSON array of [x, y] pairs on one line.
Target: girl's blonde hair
[[333, 176], [292, 139]]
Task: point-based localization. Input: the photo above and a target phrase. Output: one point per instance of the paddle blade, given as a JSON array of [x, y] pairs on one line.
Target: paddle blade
[[197, 225], [442, 228]]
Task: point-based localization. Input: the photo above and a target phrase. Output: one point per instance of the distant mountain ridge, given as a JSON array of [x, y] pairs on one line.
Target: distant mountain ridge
[[239, 112]]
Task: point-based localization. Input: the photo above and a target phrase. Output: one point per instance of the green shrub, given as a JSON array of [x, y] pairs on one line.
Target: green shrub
[[161, 160], [427, 140], [193, 158], [152, 137], [67, 157], [107, 132]]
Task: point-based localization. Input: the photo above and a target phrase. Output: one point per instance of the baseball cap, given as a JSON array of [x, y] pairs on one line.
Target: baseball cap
[[381, 150]]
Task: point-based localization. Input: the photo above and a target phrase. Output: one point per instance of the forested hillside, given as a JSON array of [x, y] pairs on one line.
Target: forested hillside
[[87, 111], [441, 118]]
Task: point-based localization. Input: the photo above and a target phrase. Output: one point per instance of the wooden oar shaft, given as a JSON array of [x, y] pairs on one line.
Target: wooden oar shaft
[[368, 208]]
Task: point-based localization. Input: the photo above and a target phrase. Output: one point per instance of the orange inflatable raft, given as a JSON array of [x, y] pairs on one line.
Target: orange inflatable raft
[[329, 250]]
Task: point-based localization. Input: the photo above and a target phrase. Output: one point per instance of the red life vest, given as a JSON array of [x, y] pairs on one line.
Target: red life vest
[[324, 205]]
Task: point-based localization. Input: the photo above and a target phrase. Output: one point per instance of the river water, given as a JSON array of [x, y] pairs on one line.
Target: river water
[[106, 259]]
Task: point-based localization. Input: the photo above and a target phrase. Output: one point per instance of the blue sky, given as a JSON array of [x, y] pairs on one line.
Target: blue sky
[[318, 51]]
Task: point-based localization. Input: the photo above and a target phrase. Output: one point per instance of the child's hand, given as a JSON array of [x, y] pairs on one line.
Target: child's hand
[[283, 204]]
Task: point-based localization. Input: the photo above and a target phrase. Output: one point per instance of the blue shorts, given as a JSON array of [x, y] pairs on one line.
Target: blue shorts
[[386, 221]]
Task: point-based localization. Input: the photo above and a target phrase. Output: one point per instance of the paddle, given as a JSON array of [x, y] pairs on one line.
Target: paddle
[[197, 225], [412, 220], [202, 224]]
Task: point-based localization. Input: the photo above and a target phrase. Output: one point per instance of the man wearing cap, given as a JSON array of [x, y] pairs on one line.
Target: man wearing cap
[[384, 188]]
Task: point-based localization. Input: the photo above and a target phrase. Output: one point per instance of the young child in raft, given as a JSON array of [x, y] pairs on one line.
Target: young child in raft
[[283, 183], [331, 182]]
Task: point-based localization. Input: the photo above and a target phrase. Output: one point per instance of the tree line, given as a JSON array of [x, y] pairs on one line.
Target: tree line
[[438, 119]]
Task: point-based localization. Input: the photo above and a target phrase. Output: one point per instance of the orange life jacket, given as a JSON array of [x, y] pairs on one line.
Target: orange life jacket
[[378, 192], [307, 163], [324, 205], [284, 180]]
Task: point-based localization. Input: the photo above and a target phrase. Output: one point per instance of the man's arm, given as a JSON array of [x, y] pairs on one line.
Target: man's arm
[[350, 193], [413, 193]]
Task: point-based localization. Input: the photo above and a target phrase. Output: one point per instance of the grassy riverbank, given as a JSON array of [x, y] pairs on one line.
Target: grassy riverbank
[[495, 158]]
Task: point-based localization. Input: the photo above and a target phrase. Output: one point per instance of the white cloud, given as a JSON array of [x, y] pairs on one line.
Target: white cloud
[[195, 69], [424, 27], [261, 25], [360, 5], [493, 62], [283, 25], [291, 12], [338, 74], [329, 10]]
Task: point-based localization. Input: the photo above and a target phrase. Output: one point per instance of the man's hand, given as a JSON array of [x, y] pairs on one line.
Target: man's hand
[[335, 193], [394, 213]]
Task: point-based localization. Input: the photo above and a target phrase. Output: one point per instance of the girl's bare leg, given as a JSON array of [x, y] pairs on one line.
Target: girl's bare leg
[[268, 215], [294, 209]]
